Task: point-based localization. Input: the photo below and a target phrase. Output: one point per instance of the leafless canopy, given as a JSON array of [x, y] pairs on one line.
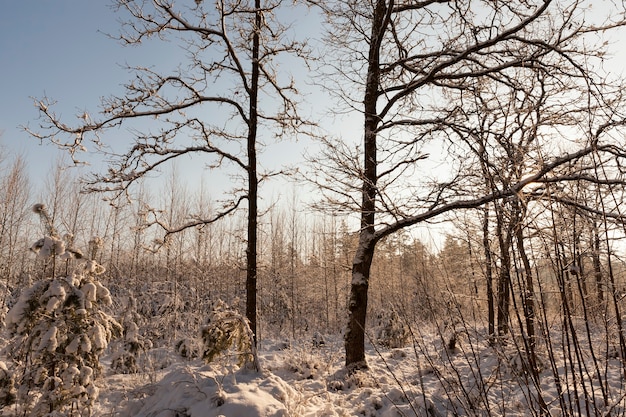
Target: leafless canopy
[[464, 103], [458, 79], [200, 107]]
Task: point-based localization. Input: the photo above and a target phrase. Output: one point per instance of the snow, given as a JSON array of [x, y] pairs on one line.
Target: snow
[[98, 335], [101, 291], [49, 340], [358, 279], [47, 246], [72, 348], [197, 392], [425, 369], [308, 380], [15, 316], [90, 291]]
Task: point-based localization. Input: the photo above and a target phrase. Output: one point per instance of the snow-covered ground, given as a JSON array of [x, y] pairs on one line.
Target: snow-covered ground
[[423, 379]]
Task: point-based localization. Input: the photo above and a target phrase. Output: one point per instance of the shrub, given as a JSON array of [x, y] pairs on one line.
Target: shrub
[[225, 328], [59, 331], [133, 345], [392, 332], [188, 348], [7, 386]]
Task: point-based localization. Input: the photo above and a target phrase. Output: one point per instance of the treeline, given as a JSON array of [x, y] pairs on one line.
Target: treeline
[[304, 257], [305, 261]]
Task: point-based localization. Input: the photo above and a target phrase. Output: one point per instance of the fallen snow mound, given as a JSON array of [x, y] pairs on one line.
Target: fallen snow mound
[[200, 392]]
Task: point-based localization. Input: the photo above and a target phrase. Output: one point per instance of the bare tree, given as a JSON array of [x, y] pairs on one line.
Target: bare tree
[[406, 66], [14, 223], [219, 106]]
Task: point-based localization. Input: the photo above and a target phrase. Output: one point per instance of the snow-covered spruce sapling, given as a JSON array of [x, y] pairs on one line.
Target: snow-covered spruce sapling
[[7, 386], [226, 329], [133, 344], [51, 246], [125, 361], [188, 348], [59, 331], [392, 332]]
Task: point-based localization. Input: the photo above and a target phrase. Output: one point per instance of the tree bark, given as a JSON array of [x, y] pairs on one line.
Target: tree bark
[[528, 299], [357, 308], [503, 295], [597, 265], [491, 316], [251, 249]]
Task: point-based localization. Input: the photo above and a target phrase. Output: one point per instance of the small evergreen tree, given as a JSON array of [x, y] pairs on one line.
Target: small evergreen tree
[[132, 344], [7, 386], [225, 328], [59, 331], [392, 332]]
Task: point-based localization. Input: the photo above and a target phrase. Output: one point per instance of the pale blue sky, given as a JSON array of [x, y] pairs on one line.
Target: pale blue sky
[[59, 49]]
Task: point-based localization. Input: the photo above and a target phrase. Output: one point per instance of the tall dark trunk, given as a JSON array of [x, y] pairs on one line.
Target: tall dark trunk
[[357, 306], [597, 265], [357, 309], [528, 298], [491, 316], [503, 294], [251, 249], [529, 304]]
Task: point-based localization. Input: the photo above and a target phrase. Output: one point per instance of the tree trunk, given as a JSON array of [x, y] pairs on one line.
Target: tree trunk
[[504, 296], [597, 265], [504, 276], [491, 317], [357, 307], [251, 249], [528, 300]]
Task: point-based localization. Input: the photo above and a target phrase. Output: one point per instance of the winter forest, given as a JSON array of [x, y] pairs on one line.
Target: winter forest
[[461, 252]]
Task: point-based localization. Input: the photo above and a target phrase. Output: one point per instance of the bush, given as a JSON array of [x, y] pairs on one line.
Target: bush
[[392, 331], [7, 386], [225, 328], [188, 348], [58, 333], [133, 345]]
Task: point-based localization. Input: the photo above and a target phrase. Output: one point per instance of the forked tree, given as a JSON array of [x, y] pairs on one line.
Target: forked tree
[[218, 105], [408, 66]]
